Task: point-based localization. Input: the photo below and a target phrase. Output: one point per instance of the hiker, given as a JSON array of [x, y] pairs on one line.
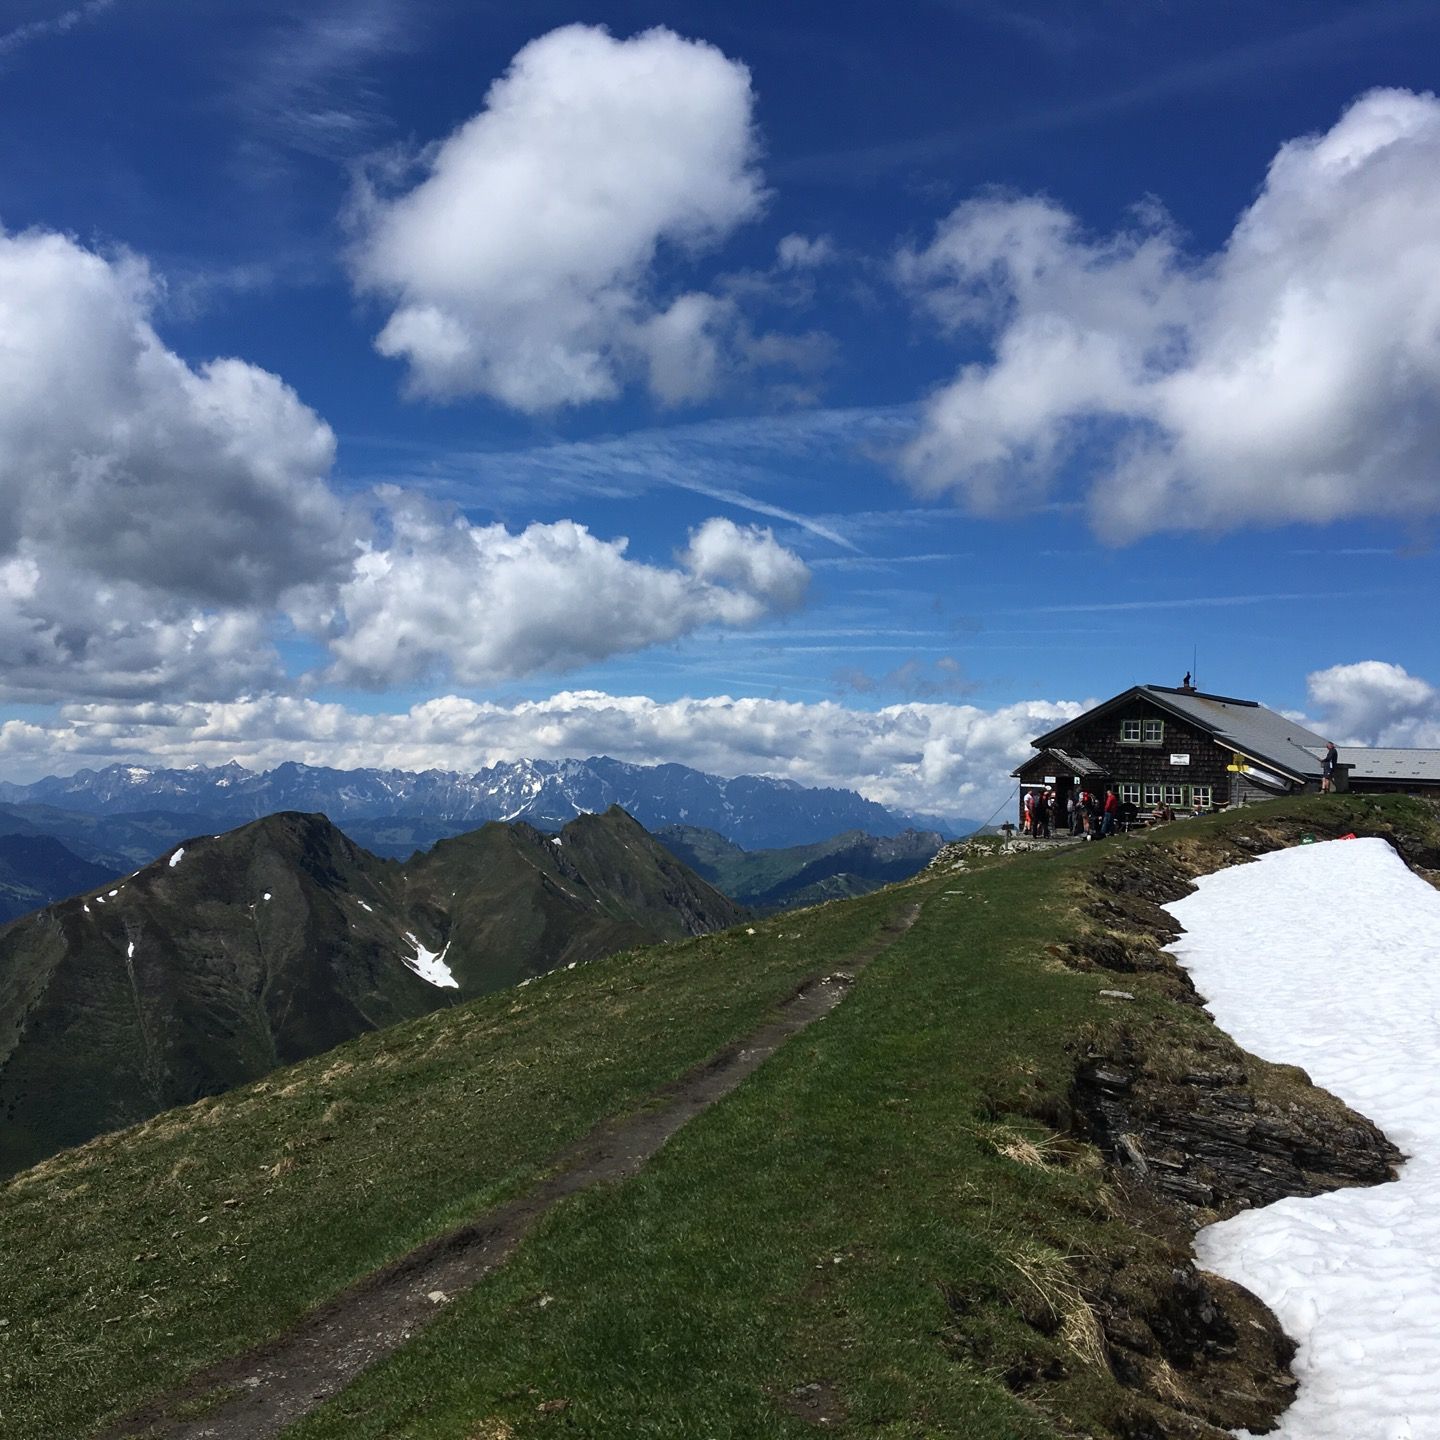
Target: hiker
[[1073, 811], [1027, 813], [1112, 809], [1092, 815], [1040, 819], [1052, 810], [1328, 762]]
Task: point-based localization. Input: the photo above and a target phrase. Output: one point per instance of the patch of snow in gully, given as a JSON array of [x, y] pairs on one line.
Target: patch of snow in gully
[[1328, 956], [177, 857], [430, 966]]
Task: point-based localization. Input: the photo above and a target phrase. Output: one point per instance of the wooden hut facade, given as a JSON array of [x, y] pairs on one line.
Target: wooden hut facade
[[1176, 746]]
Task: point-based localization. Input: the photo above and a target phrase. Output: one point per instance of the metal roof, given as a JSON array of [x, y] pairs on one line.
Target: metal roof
[[1244, 725], [1248, 727], [1419, 766]]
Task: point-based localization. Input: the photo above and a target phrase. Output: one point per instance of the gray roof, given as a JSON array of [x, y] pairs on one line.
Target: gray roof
[[1244, 725], [1079, 765], [1247, 727], [1419, 766]]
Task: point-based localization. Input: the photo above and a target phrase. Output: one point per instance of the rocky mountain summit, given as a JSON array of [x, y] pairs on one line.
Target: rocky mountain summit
[[239, 952]]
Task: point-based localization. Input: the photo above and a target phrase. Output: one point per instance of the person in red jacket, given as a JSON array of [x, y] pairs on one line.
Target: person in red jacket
[[1112, 811]]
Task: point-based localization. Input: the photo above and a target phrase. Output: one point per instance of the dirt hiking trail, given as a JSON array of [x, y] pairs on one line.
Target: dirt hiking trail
[[274, 1386]]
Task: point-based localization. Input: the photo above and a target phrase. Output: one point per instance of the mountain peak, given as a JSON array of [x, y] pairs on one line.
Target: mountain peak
[[751, 810]]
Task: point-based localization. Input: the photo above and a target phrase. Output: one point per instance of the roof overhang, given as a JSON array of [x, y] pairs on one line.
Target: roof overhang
[[1080, 766]]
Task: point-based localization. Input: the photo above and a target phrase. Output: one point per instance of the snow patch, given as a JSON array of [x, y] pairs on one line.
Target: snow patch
[[266, 895], [130, 951], [557, 841], [364, 906], [1328, 957], [177, 857], [430, 966], [112, 893]]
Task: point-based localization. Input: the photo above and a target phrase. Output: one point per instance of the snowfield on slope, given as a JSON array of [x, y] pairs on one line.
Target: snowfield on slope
[[430, 965], [1327, 956]]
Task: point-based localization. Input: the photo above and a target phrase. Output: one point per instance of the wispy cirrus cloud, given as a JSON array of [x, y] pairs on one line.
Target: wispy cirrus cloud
[[1290, 50], [740, 462], [307, 89], [1189, 602], [67, 20]]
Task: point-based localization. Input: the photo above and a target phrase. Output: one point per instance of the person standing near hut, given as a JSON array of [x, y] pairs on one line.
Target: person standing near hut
[[1027, 813], [1112, 811], [1040, 819], [1328, 762]]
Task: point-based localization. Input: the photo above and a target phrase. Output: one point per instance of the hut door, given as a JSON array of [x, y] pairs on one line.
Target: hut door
[[1064, 784]]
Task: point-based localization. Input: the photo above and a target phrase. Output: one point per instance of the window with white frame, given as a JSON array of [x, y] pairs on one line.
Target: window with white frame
[[1129, 794], [1130, 732], [1152, 795], [1153, 732], [1202, 796], [1174, 794]]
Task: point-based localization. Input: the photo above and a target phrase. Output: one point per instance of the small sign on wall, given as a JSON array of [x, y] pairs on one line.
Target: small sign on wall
[[1049, 779], [1179, 759]]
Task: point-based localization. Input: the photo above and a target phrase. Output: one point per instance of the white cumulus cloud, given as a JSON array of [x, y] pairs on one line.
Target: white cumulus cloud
[[150, 510], [478, 603], [1292, 375], [523, 265], [118, 455], [933, 758], [1375, 702], [161, 523]]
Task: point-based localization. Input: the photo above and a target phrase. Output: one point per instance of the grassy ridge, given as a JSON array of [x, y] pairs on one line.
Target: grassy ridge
[[800, 1246], [869, 1235], [870, 1231], [135, 1260]]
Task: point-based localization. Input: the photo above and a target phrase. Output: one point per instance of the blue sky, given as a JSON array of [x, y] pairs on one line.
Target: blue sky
[[943, 366]]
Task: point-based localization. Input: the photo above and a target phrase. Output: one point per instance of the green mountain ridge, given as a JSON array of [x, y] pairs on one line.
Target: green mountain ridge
[[842, 867], [36, 870], [256, 948]]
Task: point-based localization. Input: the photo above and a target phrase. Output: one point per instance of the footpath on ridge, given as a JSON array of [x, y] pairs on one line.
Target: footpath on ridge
[[272, 1387]]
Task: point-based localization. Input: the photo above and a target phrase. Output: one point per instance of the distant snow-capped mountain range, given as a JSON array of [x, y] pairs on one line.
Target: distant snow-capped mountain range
[[751, 810]]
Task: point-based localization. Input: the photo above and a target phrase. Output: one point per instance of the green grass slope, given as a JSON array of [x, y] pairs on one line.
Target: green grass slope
[[881, 1231]]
